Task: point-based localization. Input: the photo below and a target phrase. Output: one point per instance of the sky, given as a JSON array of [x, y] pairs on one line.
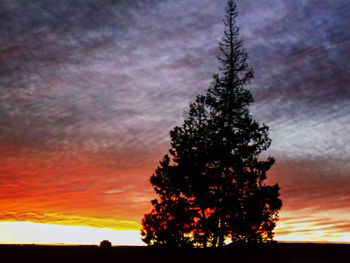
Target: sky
[[90, 89]]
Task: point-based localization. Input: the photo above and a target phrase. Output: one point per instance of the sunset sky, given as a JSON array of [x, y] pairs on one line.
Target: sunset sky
[[89, 90]]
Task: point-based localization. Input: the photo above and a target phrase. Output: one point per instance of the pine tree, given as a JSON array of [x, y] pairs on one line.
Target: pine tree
[[212, 187]]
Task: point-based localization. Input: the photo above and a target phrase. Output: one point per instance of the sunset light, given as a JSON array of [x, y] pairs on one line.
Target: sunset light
[[30, 233], [312, 229], [22, 233]]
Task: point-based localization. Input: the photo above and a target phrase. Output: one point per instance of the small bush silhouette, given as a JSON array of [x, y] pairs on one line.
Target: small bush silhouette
[[105, 244]]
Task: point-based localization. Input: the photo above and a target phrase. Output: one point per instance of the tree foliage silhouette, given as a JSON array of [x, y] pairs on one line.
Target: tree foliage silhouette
[[211, 185]]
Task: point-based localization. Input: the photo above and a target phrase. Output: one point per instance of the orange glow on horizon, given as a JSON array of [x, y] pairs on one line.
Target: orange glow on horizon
[[38, 233], [32, 233], [315, 227], [97, 195]]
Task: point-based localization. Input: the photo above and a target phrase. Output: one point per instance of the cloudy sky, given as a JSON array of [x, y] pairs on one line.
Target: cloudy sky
[[89, 90]]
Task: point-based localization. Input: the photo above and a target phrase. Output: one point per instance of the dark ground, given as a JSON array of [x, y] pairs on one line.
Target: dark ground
[[281, 252]]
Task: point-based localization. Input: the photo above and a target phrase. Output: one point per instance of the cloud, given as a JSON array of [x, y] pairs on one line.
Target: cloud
[[70, 220], [316, 227], [94, 79]]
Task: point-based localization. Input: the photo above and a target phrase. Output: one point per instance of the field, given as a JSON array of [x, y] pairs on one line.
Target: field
[[282, 252]]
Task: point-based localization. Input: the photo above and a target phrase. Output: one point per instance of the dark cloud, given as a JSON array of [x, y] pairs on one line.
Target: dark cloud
[[301, 58], [94, 69]]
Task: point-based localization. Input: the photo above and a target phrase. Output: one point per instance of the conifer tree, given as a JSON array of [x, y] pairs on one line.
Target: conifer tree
[[212, 188]]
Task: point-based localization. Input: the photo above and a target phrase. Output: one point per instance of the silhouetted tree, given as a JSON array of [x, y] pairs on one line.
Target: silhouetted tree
[[212, 188], [172, 217]]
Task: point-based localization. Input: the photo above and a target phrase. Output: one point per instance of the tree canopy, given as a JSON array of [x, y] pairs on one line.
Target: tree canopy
[[211, 184]]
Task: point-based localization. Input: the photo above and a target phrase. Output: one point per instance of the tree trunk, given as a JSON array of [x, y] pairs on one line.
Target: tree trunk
[[221, 240], [205, 228]]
